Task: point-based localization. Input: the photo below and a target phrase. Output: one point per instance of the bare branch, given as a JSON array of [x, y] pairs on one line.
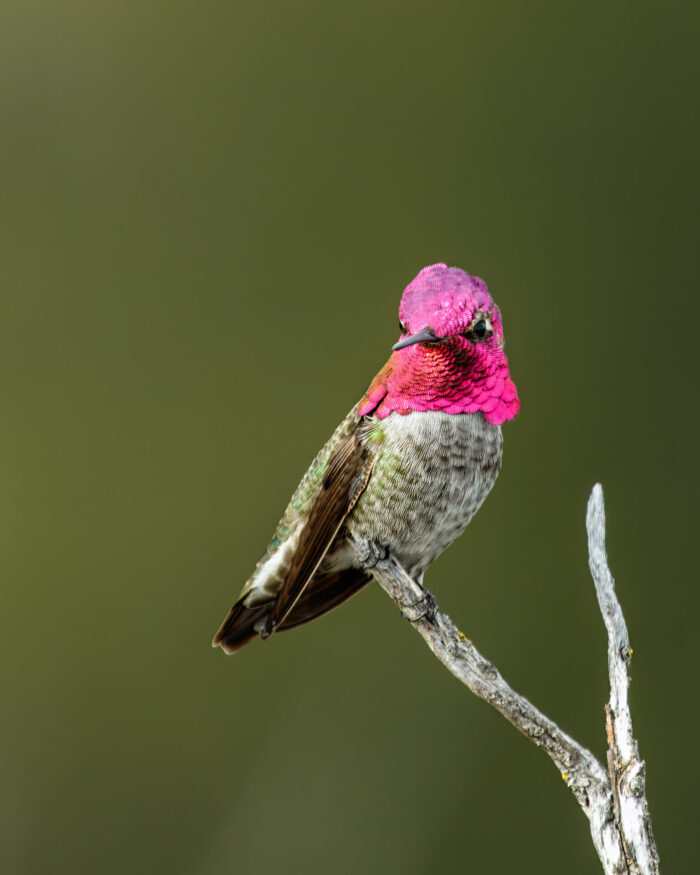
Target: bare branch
[[626, 771], [610, 811]]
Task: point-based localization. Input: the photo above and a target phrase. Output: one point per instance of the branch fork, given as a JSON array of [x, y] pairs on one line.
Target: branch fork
[[613, 798]]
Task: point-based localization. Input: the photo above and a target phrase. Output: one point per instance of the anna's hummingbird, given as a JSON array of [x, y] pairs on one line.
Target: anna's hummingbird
[[406, 469]]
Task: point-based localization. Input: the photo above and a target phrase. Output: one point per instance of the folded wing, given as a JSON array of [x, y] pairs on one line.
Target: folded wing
[[307, 590]]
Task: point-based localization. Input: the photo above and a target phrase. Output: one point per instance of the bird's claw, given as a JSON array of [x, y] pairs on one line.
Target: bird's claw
[[428, 611], [370, 553]]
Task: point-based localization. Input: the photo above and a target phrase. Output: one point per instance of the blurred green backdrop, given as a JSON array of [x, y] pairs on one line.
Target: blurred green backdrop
[[209, 214]]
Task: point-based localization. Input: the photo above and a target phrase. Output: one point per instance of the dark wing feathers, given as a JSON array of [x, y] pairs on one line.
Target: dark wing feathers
[[305, 593], [346, 476], [324, 593]]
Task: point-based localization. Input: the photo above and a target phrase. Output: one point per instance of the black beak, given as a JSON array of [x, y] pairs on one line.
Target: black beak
[[424, 336]]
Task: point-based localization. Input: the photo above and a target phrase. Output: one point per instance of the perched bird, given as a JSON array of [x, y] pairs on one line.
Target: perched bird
[[407, 468]]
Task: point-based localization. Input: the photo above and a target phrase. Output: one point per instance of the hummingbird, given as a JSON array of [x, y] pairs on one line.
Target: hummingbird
[[407, 468]]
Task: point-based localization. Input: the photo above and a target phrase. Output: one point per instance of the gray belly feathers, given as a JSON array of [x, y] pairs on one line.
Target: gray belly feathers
[[432, 473]]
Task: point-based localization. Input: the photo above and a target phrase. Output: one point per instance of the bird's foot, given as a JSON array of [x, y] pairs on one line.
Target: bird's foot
[[426, 603], [370, 552]]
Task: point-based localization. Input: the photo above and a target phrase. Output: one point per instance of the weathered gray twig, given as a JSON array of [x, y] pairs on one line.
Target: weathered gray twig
[[625, 769], [612, 799]]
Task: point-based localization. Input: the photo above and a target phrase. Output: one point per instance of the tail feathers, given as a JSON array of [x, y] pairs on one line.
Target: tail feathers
[[324, 593], [240, 626]]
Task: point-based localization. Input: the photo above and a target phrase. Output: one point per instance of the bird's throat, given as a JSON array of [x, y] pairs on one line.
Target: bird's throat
[[445, 377]]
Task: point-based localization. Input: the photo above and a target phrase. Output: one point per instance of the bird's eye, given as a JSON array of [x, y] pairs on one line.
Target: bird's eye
[[402, 328], [480, 330]]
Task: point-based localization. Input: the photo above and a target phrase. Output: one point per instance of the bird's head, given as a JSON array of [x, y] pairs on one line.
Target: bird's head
[[450, 353], [446, 305]]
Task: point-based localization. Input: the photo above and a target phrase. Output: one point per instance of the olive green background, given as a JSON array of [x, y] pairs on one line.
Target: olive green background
[[209, 212]]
